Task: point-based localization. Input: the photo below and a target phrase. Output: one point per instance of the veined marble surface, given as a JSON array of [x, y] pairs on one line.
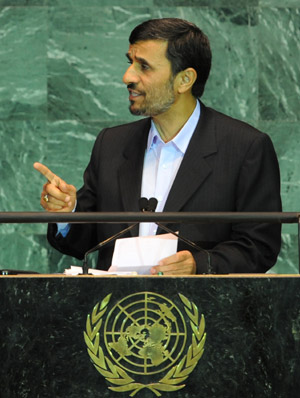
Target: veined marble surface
[[61, 71], [252, 328]]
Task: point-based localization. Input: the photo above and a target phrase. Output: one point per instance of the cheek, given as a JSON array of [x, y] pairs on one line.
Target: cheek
[[155, 88]]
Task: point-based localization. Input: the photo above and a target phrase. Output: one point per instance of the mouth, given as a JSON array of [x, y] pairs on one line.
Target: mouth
[[134, 94]]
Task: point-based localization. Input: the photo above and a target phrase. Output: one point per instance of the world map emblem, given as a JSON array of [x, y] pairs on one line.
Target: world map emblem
[[145, 341]]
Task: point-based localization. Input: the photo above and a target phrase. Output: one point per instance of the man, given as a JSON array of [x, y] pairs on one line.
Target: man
[[190, 157]]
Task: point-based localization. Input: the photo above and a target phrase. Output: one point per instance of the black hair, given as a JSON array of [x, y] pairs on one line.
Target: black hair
[[188, 46]]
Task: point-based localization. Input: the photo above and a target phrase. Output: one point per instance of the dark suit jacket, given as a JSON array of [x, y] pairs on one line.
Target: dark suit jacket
[[228, 166]]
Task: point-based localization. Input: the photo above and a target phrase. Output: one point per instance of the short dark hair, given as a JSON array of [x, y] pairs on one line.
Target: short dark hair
[[188, 46]]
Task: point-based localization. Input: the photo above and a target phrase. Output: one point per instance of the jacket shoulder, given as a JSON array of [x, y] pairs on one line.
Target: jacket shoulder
[[230, 126]]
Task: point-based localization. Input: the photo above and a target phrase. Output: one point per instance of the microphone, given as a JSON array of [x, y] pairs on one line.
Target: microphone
[[152, 203], [143, 205]]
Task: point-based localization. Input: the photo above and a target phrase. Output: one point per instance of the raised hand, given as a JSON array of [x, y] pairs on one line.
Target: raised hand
[[57, 195]]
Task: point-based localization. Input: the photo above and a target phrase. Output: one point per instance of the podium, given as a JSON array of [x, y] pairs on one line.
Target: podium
[[201, 336]]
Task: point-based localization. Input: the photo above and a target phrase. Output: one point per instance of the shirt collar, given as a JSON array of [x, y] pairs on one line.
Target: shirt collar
[[182, 139]]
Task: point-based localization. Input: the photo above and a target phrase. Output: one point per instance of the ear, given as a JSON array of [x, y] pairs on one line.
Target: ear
[[187, 78]]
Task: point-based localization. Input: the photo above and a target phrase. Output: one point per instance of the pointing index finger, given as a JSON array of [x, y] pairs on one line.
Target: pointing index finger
[[51, 177]]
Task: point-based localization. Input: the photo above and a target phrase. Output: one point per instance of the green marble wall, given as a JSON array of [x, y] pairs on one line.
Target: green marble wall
[[61, 82]]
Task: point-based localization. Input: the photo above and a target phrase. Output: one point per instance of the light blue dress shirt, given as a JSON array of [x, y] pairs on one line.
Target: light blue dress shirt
[[161, 163]]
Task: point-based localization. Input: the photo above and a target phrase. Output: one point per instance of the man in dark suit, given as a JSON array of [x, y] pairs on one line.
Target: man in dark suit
[[192, 158]]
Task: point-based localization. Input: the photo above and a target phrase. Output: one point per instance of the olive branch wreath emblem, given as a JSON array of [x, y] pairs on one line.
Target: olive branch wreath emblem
[[117, 376]]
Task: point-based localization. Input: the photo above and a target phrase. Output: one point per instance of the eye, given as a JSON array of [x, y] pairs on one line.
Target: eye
[[145, 67]]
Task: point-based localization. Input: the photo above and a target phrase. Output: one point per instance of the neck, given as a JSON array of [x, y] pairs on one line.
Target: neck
[[171, 122]]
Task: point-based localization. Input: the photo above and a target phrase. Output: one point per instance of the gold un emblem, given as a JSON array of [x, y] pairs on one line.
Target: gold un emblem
[[142, 342]]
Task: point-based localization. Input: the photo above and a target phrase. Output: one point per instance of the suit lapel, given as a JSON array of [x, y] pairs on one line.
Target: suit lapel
[[192, 173], [194, 168], [130, 173]]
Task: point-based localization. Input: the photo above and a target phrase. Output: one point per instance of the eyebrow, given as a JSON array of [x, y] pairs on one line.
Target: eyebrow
[[139, 59]]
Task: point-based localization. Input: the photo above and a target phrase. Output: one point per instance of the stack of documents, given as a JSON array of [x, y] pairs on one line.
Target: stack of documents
[[135, 256]]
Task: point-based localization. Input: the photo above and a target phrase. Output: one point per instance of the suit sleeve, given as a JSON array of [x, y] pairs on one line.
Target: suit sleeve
[[81, 237], [252, 247]]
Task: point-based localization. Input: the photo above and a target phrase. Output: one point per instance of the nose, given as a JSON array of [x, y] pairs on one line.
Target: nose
[[130, 76]]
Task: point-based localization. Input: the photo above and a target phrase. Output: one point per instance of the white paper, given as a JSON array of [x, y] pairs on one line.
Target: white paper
[[74, 270], [142, 253]]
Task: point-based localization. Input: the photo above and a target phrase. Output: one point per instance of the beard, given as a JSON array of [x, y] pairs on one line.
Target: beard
[[157, 100]]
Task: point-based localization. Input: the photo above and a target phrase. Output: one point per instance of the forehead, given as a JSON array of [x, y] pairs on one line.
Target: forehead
[[153, 51]]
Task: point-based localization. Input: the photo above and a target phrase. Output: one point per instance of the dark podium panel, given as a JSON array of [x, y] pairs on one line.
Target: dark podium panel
[[69, 337]]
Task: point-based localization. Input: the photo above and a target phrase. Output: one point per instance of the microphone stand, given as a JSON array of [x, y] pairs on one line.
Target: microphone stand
[[143, 204], [85, 268], [152, 203], [188, 242]]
